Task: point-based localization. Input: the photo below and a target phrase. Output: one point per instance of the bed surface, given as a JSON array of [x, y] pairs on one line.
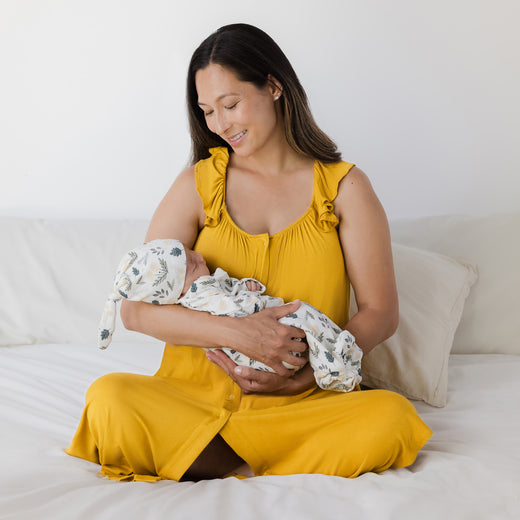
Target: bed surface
[[470, 468], [449, 317]]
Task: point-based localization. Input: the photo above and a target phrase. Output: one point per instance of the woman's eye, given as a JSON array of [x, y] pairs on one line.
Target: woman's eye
[[231, 107], [208, 113]]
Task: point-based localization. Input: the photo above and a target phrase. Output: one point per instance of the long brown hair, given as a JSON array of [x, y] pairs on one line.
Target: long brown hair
[[254, 56]]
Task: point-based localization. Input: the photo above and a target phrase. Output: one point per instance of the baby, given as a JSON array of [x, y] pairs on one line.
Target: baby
[[165, 272]]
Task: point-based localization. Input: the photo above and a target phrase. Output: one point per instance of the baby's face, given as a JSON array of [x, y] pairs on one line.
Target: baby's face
[[195, 268]]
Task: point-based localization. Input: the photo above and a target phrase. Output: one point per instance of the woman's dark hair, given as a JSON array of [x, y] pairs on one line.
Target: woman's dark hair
[[253, 55]]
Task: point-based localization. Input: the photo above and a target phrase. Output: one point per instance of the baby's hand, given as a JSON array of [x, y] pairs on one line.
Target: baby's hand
[[253, 285]]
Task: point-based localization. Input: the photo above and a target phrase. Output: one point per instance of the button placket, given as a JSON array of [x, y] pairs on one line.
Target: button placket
[[263, 253], [232, 397]]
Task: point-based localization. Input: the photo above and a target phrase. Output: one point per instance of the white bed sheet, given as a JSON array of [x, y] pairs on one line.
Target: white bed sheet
[[469, 469]]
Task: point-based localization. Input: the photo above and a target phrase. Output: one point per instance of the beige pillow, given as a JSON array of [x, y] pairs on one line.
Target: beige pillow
[[490, 323], [414, 361]]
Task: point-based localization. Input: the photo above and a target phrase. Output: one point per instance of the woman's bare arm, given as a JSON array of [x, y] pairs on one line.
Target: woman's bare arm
[[365, 239], [180, 215]]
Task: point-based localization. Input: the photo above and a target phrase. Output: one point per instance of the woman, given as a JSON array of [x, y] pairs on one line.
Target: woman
[[267, 197]]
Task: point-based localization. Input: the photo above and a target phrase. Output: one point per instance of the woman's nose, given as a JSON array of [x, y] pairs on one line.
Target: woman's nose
[[221, 123]]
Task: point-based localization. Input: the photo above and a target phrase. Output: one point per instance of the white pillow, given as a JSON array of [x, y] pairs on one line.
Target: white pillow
[[55, 277], [414, 362]]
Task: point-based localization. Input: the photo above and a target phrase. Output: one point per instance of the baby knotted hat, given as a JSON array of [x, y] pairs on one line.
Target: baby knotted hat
[[153, 272]]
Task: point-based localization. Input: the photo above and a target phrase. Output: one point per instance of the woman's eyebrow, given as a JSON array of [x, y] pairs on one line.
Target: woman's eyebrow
[[219, 98]]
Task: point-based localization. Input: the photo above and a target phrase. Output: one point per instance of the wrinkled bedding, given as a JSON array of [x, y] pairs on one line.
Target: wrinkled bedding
[[470, 468]]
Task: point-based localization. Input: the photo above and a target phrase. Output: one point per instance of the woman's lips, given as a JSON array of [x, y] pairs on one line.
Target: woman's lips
[[236, 138]]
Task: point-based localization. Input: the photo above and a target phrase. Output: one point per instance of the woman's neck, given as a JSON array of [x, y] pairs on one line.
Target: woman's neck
[[270, 161]]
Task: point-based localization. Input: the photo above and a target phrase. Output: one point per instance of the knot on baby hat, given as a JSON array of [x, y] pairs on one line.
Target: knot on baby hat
[[153, 272]]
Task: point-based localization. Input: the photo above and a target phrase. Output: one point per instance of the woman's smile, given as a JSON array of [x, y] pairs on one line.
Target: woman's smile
[[237, 138]]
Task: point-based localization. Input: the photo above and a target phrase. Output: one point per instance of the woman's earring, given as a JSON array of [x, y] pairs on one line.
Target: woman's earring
[[277, 97]]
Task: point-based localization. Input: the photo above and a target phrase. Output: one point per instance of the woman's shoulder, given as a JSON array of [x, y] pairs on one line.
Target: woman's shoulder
[[187, 175], [336, 170], [184, 185], [356, 194], [355, 183], [329, 177], [179, 214]]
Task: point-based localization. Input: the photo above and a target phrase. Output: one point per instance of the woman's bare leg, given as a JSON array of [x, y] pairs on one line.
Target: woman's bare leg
[[215, 461]]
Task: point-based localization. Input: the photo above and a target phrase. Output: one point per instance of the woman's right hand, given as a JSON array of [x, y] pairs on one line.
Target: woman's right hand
[[262, 337]]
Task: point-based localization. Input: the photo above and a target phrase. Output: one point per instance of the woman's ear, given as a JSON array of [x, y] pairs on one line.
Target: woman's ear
[[275, 87]]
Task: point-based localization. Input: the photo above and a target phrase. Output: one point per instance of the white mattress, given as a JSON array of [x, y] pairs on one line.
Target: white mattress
[[469, 469]]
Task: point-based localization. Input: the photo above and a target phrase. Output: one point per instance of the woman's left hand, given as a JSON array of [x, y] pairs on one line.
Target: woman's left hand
[[253, 381]]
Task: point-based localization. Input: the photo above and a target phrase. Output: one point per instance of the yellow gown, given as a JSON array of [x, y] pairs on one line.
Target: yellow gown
[[153, 427]]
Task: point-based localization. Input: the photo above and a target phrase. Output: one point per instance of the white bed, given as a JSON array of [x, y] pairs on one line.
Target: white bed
[[470, 468]]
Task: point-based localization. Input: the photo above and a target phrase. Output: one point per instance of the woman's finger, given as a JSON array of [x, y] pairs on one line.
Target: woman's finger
[[249, 379], [297, 361], [284, 310], [298, 344], [223, 361], [258, 381]]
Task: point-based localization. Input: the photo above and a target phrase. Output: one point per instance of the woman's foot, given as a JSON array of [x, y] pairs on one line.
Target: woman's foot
[[242, 471]]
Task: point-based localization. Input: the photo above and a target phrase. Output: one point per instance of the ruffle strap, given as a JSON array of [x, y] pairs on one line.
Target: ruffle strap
[[326, 217], [328, 177], [210, 179]]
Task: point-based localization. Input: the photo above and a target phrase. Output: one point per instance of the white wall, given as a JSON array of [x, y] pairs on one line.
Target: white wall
[[421, 95]]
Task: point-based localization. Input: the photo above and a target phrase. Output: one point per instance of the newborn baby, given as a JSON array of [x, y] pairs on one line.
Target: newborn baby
[[165, 272]]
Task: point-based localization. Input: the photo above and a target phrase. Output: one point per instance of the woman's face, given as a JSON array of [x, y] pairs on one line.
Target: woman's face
[[237, 111]]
